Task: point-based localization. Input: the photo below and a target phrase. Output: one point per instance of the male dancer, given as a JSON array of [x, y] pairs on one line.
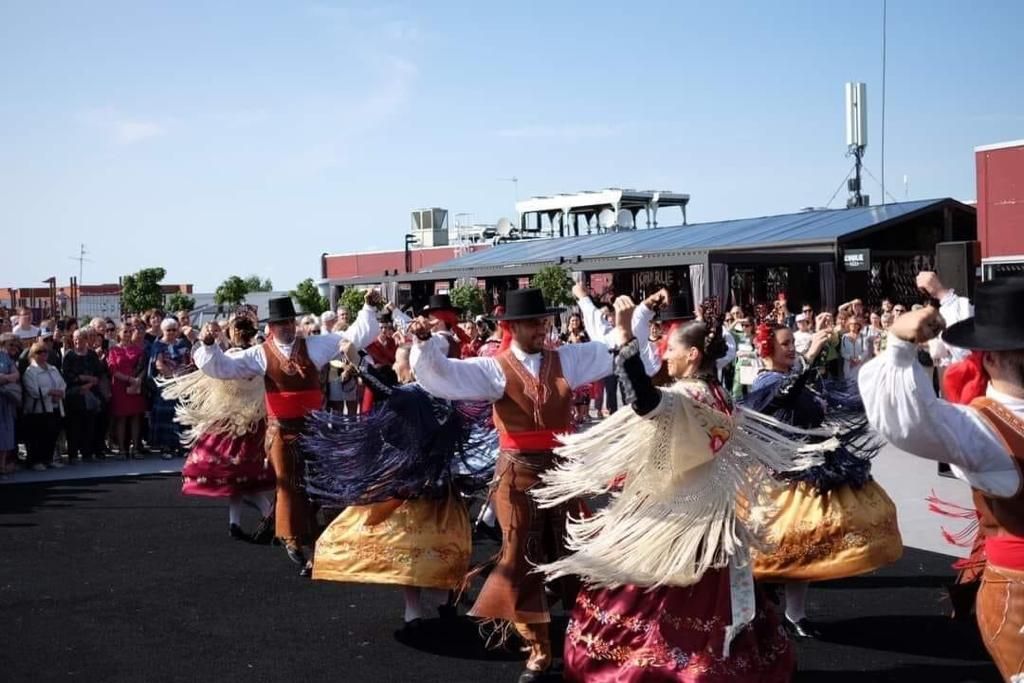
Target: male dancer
[[983, 441], [531, 389], [291, 367]]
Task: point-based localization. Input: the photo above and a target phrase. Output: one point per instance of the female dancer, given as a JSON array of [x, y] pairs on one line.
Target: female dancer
[[225, 424], [671, 596], [834, 520]]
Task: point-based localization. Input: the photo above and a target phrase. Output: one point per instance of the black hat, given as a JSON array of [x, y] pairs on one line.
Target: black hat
[[679, 309], [524, 304], [280, 310], [439, 302], [997, 324]]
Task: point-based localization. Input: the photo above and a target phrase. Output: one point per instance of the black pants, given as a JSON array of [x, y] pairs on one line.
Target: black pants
[[81, 433], [41, 431], [101, 426], [611, 393]]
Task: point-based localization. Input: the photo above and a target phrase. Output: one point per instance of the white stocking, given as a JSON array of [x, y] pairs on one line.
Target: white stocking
[[235, 510], [796, 601], [413, 605]]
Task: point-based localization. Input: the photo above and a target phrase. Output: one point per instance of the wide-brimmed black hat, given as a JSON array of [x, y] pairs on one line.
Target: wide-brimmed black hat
[[679, 309], [439, 302], [997, 324], [524, 304], [280, 309]]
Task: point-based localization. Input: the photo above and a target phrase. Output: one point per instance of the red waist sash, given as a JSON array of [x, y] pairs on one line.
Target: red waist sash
[[541, 440], [1005, 551], [289, 405]]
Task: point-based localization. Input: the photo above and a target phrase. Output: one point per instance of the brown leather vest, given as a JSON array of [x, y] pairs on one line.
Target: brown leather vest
[[531, 403], [1002, 515], [297, 373]]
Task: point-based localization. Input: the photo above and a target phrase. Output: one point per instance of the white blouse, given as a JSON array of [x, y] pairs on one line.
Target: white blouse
[[903, 407]]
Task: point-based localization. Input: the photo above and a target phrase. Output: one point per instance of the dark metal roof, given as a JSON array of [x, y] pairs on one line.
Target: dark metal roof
[[823, 226]]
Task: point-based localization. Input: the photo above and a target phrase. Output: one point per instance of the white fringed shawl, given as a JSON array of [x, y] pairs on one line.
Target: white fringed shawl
[[215, 406], [676, 516]]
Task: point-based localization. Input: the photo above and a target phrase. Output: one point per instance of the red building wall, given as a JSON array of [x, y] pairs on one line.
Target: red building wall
[[1000, 177], [339, 266]]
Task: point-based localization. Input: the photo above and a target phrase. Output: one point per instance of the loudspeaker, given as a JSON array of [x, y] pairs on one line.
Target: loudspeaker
[[957, 265]]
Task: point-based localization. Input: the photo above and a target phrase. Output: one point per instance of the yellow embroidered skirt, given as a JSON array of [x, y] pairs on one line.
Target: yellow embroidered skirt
[[422, 542], [817, 537]]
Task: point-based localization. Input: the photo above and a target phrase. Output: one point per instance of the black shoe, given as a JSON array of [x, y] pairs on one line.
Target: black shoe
[[264, 533], [803, 629], [411, 632], [296, 555], [447, 612], [307, 570], [530, 676], [237, 533]]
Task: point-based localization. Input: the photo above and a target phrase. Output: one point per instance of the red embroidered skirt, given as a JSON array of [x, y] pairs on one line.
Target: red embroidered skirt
[[220, 465], [632, 635]]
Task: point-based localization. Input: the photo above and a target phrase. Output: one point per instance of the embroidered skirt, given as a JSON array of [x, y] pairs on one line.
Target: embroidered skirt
[[222, 465], [817, 537], [421, 542], [634, 635]]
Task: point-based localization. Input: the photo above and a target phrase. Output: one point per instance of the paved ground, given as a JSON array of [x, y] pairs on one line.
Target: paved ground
[[125, 580]]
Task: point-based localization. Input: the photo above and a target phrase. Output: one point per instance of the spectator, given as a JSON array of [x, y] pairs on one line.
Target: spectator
[[747, 362], [833, 347], [491, 334], [808, 310], [803, 335], [886, 306], [184, 319], [576, 334], [854, 350], [127, 367], [327, 322], [170, 355], [25, 330], [82, 370], [43, 394], [10, 401], [342, 322], [611, 382], [154, 320], [110, 332], [898, 310], [309, 325], [5, 325]]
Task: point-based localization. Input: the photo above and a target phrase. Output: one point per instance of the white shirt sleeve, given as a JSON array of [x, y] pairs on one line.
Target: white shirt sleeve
[[953, 309], [585, 363], [323, 347], [641, 326], [593, 322], [472, 379], [901, 405], [251, 362]]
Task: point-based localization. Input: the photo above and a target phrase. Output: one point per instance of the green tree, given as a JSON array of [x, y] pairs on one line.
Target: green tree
[[180, 302], [254, 284], [469, 298], [556, 284], [141, 291], [309, 298], [352, 301], [231, 292]]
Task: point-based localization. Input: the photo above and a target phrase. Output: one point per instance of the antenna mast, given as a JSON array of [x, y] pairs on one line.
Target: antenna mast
[[81, 261], [856, 139]]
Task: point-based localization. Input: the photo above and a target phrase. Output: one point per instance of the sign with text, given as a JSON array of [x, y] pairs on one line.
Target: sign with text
[[857, 260]]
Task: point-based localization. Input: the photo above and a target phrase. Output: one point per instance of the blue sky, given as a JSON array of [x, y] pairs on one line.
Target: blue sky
[[215, 138]]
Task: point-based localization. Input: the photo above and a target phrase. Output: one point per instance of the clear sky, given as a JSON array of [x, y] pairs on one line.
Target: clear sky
[[219, 138]]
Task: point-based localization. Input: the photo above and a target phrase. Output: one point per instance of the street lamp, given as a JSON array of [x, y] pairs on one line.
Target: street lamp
[[410, 239]]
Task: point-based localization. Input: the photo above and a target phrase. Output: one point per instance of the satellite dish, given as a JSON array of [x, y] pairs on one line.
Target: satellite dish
[[606, 219], [504, 227], [624, 221]]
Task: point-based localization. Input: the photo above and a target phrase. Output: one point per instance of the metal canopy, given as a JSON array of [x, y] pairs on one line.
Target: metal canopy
[[804, 228]]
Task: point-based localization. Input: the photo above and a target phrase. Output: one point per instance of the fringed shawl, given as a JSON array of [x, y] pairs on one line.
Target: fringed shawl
[[215, 406], [688, 469]]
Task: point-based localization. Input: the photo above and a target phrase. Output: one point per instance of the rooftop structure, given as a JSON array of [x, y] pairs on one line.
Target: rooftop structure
[[610, 210]]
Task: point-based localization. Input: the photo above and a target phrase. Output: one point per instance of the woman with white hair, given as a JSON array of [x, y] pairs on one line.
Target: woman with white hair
[[169, 356], [309, 325], [327, 321]]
